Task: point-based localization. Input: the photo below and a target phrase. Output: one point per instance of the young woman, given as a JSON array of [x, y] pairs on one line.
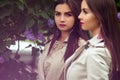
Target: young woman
[[100, 60], [66, 39]]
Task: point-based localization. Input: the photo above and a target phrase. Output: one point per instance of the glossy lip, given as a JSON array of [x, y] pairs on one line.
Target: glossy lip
[[62, 25], [81, 23]]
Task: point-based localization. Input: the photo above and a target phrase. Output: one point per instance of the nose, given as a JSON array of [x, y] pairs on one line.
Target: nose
[[62, 18], [80, 16]]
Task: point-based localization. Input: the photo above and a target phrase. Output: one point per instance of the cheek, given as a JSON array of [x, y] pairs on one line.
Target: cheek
[[91, 22], [87, 24], [71, 22]]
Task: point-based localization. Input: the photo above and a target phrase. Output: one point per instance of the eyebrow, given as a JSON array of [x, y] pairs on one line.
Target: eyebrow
[[86, 9], [65, 12]]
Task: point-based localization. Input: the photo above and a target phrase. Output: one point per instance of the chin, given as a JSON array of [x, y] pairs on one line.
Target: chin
[[83, 28]]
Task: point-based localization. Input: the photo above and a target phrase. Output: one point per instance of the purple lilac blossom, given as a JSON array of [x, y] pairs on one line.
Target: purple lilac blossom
[[118, 15], [29, 35], [2, 60], [50, 22]]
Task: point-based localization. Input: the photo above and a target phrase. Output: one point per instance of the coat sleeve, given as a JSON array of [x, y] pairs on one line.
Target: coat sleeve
[[98, 64]]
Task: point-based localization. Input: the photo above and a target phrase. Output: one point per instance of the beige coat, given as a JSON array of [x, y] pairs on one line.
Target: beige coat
[[92, 63], [50, 67]]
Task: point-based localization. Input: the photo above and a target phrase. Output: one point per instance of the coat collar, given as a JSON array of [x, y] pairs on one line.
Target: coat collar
[[95, 41]]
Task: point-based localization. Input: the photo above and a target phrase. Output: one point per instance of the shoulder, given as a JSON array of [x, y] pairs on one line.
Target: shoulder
[[98, 54], [98, 49], [47, 43], [48, 40], [81, 41], [97, 46], [100, 59]]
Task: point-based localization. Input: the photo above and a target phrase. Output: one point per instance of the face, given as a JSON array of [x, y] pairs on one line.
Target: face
[[88, 20], [64, 17]]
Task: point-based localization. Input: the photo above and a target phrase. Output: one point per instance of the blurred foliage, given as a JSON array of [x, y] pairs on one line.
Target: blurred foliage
[[18, 15], [118, 5]]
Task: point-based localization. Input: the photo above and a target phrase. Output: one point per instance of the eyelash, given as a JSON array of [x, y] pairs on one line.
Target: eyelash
[[57, 14], [85, 11], [67, 14]]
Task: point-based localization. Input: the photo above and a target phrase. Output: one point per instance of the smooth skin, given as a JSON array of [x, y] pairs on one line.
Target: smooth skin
[[64, 20], [88, 20]]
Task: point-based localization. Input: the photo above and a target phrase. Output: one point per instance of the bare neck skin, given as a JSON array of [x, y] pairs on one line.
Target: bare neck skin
[[63, 36], [94, 32]]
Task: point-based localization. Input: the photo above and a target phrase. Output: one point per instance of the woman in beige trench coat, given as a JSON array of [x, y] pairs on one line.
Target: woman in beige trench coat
[[64, 42]]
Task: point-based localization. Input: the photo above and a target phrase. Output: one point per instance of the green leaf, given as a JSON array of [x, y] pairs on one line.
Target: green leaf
[[20, 5], [44, 15], [22, 1]]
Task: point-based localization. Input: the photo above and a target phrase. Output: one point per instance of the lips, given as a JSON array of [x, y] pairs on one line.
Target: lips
[[62, 25], [81, 23]]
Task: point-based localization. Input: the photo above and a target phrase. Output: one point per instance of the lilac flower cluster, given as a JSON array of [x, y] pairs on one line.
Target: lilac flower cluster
[[29, 35], [118, 16], [50, 22]]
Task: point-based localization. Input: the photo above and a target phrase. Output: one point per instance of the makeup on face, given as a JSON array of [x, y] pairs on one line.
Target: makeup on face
[[88, 20], [64, 17]]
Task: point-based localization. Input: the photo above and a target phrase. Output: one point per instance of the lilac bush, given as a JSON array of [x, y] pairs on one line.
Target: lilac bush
[[32, 37], [50, 22], [118, 15], [17, 19]]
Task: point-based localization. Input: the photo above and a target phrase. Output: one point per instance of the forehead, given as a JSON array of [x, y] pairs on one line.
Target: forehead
[[62, 8], [84, 4]]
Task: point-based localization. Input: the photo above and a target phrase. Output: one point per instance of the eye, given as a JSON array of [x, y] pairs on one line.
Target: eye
[[69, 14], [85, 11], [57, 14]]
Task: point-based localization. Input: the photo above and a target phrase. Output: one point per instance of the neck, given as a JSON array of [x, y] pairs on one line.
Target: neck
[[94, 32], [63, 36]]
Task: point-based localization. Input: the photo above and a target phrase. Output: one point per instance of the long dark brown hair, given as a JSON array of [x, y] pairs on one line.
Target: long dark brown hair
[[106, 12], [72, 43]]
